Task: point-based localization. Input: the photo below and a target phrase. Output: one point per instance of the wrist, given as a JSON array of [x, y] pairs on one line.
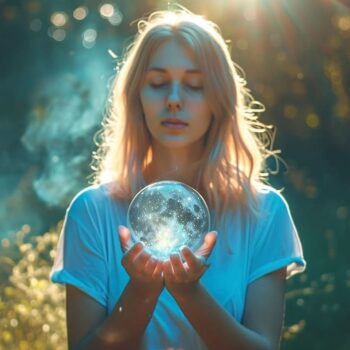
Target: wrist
[[145, 291], [186, 291]]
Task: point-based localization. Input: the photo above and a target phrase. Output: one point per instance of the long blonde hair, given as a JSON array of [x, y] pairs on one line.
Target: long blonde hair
[[237, 144]]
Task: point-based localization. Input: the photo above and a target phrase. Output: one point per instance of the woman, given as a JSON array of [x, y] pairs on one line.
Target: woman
[[179, 111]]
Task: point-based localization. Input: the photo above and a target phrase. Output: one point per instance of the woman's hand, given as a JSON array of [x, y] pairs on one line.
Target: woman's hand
[[181, 278], [144, 270]]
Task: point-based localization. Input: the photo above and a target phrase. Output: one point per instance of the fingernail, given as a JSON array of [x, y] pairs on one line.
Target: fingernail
[[138, 247]]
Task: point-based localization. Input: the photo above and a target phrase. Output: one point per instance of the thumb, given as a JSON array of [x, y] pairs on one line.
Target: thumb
[[210, 239], [209, 242], [124, 236]]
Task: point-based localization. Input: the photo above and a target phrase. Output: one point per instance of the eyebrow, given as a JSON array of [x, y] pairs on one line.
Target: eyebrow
[[162, 70]]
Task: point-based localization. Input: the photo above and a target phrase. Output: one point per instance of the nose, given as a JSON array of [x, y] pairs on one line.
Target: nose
[[174, 101]]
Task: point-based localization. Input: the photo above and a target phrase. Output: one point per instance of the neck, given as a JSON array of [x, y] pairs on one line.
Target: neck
[[177, 164]]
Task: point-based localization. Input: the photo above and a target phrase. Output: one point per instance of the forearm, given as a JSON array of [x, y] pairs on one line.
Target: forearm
[[217, 328], [124, 327]]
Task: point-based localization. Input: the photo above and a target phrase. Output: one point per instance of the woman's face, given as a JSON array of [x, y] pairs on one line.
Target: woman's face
[[173, 88]]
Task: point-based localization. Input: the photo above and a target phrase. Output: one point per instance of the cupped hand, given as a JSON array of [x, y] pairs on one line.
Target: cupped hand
[[181, 277], [144, 270]]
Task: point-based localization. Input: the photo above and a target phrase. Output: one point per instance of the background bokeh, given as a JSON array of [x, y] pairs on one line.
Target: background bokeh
[[56, 61]]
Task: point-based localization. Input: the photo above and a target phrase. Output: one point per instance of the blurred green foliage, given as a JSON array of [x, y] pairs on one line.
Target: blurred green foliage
[[32, 308]]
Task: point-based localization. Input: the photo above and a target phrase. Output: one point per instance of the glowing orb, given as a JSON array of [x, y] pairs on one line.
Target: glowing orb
[[167, 215]]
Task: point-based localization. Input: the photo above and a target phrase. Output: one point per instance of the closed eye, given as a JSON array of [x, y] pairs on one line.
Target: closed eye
[[195, 87], [157, 86], [189, 86]]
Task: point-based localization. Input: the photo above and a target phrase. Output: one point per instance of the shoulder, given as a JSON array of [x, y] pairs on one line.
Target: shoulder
[[90, 199], [270, 199]]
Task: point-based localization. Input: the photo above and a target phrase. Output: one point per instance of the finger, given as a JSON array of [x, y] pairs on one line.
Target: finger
[[208, 245], [168, 270], [150, 266], [142, 260], [158, 271], [180, 273], [125, 238], [131, 255], [194, 263]]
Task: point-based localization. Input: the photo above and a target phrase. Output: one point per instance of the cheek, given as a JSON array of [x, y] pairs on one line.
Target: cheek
[[199, 108], [150, 109], [150, 101], [147, 100], [150, 95]]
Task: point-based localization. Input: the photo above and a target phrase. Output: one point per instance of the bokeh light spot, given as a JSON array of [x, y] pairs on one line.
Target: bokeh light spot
[[116, 18], [35, 25], [31, 256], [107, 10], [311, 191], [6, 336], [9, 13], [54, 337], [300, 302], [80, 13], [290, 111], [343, 23], [89, 38], [342, 213], [46, 328], [34, 312], [312, 120], [33, 6], [59, 34], [14, 322], [26, 228], [296, 328], [59, 19], [55, 159], [90, 35], [21, 309], [5, 243]]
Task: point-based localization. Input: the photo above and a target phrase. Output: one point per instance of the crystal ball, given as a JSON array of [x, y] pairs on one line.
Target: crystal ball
[[167, 215]]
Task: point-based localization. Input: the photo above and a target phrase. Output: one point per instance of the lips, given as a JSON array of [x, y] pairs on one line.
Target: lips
[[174, 121]]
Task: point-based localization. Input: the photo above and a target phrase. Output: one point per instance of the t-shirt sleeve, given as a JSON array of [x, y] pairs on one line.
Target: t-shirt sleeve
[[276, 242], [80, 259]]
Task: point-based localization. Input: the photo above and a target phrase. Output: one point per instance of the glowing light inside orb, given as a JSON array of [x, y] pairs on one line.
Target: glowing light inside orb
[[167, 215]]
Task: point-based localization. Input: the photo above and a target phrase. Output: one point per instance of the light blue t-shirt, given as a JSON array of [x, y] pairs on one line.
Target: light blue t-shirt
[[89, 258]]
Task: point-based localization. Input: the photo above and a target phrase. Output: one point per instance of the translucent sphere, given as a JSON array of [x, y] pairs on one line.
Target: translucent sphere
[[167, 215]]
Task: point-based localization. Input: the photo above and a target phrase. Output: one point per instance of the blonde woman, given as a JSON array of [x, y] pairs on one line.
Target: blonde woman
[[179, 110]]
